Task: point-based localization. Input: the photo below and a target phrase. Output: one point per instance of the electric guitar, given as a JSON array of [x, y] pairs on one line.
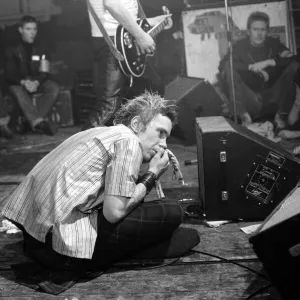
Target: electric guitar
[[134, 62]]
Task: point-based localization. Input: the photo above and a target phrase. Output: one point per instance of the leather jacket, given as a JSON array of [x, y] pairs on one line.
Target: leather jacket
[[18, 67]]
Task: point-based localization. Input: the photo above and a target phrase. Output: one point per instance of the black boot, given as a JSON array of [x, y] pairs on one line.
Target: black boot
[[45, 128]]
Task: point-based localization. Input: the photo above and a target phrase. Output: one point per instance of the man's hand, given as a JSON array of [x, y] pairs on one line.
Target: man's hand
[[286, 54], [145, 43], [261, 65], [289, 134], [159, 162], [30, 85], [158, 19], [264, 75]]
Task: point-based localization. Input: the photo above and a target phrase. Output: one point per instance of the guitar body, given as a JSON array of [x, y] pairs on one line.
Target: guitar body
[[134, 63]]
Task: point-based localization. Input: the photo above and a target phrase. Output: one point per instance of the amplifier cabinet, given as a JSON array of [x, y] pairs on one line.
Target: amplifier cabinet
[[242, 175], [277, 244]]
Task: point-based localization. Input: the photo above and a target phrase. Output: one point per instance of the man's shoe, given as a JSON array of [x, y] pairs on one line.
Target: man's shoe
[[46, 128], [6, 132]]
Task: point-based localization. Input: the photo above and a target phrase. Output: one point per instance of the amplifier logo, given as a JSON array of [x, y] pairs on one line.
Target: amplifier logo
[[262, 182]]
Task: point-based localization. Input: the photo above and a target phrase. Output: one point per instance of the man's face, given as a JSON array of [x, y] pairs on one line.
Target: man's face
[[258, 32], [28, 32], [155, 136]]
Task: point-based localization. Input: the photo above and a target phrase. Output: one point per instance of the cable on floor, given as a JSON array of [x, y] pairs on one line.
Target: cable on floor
[[232, 262], [259, 291]]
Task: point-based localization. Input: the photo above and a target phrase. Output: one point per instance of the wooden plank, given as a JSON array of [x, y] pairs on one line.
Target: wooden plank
[[188, 281], [228, 243]]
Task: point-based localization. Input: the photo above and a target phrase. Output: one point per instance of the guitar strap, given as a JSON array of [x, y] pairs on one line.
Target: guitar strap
[[141, 12], [116, 53]]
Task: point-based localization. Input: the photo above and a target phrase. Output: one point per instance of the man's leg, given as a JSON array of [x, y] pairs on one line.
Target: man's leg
[[281, 96], [294, 113], [108, 81], [247, 101], [150, 231], [4, 118], [31, 113], [24, 101], [50, 91], [150, 225]]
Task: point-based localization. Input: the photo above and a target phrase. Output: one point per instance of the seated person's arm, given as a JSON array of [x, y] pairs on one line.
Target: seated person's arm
[[261, 65], [12, 72], [289, 134], [238, 63], [283, 55], [115, 207], [43, 74]]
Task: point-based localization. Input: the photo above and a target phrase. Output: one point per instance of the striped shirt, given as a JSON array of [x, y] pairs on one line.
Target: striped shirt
[[63, 191]]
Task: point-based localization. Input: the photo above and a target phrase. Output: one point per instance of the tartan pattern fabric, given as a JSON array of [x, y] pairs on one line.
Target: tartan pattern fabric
[[148, 225]]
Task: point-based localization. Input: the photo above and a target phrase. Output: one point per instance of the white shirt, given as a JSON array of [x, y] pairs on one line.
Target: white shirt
[[109, 23]]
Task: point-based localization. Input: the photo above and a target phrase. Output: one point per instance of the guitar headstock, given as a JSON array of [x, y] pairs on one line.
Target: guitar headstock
[[169, 22]]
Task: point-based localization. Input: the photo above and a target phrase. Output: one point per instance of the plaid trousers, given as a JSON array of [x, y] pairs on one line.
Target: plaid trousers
[[150, 224]]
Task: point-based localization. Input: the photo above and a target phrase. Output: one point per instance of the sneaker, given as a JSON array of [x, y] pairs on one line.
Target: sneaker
[[6, 132], [46, 128]]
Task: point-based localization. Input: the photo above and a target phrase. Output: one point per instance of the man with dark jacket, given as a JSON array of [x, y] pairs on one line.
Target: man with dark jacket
[[26, 73], [264, 71]]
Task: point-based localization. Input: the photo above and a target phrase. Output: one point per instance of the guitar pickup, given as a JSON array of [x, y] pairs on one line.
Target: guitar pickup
[[127, 40]]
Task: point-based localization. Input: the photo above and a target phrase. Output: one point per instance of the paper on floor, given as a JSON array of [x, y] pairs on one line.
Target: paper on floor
[[9, 227], [250, 229]]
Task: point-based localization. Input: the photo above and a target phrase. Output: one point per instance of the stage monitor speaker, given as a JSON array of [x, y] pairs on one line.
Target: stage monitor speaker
[[242, 175], [277, 244], [195, 98]]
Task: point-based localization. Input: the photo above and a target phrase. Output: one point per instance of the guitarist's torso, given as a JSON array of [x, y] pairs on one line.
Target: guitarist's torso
[[134, 62]]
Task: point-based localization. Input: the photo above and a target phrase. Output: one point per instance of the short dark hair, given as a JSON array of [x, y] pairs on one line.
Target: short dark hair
[[27, 19], [258, 16], [147, 106]]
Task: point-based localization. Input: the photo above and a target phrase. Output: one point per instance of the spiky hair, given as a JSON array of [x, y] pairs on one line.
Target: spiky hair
[[146, 106]]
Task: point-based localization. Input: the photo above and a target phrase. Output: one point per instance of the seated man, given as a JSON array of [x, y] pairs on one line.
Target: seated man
[[81, 208], [263, 75], [26, 73]]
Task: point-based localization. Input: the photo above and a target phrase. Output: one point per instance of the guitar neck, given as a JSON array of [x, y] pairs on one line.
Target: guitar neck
[[158, 28]]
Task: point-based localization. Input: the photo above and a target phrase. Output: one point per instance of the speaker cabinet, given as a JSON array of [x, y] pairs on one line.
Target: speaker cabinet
[[277, 245], [195, 98], [242, 175]]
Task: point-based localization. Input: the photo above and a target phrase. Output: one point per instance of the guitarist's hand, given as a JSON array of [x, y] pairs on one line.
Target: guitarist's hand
[[145, 43], [159, 19]]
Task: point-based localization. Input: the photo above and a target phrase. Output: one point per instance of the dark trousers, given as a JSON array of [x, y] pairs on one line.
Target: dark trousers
[[148, 225], [262, 99], [108, 83], [33, 115], [4, 116], [112, 87]]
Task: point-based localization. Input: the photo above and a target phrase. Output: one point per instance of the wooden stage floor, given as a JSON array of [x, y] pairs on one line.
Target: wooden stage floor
[[222, 267]]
